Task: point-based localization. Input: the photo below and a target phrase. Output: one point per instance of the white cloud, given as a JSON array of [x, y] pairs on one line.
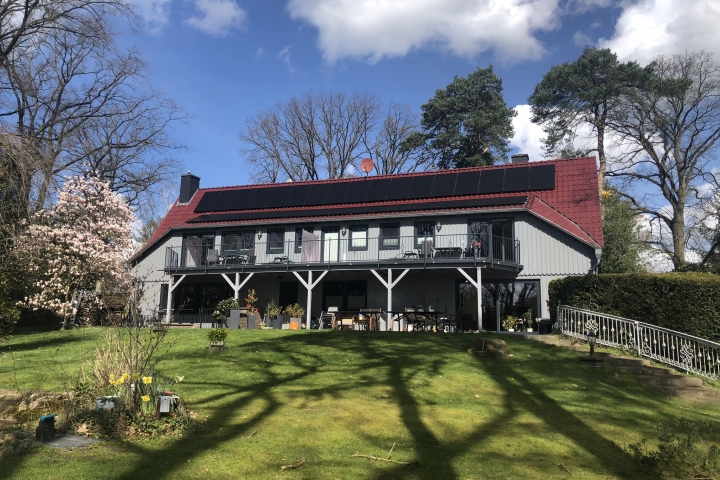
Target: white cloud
[[648, 28], [372, 30], [528, 136], [217, 17], [284, 56], [155, 13], [259, 53], [582, 39]]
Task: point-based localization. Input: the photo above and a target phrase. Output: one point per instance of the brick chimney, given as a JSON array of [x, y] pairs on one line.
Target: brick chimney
[[189, 184]]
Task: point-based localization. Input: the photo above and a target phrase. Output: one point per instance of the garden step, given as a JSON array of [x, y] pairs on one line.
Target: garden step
[[628, 362], [704, 395], [646, 370], [670, 381]]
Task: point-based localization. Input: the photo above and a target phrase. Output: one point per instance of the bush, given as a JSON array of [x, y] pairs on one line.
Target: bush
[[686, 302]]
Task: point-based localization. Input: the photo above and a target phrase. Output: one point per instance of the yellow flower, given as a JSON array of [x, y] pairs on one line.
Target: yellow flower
[[136, 377], [125, 376], [606, 193], [112, 379], [147, 380], [145, 398]]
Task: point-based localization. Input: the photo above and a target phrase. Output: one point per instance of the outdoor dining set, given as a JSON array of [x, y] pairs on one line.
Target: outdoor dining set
[[401, 321]]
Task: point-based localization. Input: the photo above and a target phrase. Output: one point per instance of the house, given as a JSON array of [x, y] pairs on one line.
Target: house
[[390, 242]]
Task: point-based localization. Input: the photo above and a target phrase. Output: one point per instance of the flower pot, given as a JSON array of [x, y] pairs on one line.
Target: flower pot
[[220, 343], [511, 329], [251, 322], [296, 323], [234, 319]]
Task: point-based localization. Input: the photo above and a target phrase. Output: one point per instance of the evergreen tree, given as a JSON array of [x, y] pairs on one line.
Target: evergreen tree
[[623, 246]]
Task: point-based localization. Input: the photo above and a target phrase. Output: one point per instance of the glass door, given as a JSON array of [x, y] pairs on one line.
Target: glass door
[[331, 246]]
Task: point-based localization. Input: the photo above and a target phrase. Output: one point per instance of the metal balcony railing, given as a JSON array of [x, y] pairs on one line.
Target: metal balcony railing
[[677, 349], [337, 249]]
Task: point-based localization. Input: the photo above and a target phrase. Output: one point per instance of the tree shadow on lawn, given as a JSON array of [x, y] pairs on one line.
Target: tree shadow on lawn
[[25, 346], [394, 361]]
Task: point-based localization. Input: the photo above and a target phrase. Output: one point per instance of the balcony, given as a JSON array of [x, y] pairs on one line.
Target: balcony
[[336, 252]]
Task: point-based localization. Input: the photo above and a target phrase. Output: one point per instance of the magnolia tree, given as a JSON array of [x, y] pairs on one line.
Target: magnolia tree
[[85, 238]]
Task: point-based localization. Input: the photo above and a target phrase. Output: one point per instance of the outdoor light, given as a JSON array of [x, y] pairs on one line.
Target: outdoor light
[[259, 235], [343, 231], [592, 340], [439, 226]]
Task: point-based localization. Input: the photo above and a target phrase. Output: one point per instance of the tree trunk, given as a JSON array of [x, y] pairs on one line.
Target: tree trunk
[[602, 168], [677, 228]]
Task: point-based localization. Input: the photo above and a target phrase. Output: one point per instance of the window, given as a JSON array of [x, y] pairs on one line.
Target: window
[[389, 237], [276, 241], [424, 234], [238, 242], [358, 237], [491, 238], [298, 237], [195, 253], [163, 297]]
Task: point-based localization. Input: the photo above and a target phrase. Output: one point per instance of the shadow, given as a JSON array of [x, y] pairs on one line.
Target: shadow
[[396, 363], [21, 347]]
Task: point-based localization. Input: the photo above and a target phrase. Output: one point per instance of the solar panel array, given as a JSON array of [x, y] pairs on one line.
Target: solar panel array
[[359, 209], [370, 190]]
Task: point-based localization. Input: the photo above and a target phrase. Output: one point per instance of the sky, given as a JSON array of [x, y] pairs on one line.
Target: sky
[[226, 60]]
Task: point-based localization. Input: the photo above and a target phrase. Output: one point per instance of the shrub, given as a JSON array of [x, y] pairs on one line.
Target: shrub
[[217, 334], [686, 302], [222, 311], [295, 311]]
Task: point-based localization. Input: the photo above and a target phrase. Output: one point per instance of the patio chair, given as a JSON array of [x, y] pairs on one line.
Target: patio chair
[[251, 257], [327, 319]]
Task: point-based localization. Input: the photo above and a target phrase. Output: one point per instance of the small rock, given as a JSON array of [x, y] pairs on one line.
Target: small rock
[[22, 407]]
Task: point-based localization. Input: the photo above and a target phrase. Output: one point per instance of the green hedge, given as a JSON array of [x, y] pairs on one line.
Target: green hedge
[[686, 302]]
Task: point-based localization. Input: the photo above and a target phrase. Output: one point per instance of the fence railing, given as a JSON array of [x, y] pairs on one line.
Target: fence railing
[[347, 249], [680, 350]]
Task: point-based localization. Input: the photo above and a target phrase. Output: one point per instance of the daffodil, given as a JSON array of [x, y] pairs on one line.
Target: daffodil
[[147, 380], [112, 379], [136, 377], [125, 376], [145, 398]]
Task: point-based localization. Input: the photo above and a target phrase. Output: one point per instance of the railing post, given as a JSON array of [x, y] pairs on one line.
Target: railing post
[[557, 316], [637, 338]]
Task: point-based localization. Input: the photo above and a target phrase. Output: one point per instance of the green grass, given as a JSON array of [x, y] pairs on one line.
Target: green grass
[[324, 396]]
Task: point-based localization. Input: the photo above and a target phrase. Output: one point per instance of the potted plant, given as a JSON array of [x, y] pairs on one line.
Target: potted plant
[[527, 319], [420, 308], [508, 323], [217, 337], [222, 310], [272, 310], [431, 308], [295, 312], [250, 301]]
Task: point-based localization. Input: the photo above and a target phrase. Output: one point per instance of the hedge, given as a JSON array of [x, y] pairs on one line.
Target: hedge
[[686, 302]]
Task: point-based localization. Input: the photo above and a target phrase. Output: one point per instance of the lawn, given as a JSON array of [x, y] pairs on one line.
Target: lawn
[[275, 398]]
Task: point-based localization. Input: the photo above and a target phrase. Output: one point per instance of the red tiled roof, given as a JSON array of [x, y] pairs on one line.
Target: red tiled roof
[[573, 205]]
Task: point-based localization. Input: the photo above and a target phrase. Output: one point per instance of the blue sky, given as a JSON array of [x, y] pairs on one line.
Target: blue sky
[[225, 60]]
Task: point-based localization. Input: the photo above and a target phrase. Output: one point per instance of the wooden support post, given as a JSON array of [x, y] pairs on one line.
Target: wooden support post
[[309, 285], [237, 285], [171, 287], [389, 284]]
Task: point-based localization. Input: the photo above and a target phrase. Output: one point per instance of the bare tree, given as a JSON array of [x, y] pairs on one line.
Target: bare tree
[[387, 148], [84, 103], [668, 129], [323, 135], [24, 21]]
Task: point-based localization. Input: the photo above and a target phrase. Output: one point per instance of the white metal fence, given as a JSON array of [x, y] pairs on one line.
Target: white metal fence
[[679, 350]]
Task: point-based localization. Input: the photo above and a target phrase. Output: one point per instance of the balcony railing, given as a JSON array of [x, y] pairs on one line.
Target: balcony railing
[[336, 249]]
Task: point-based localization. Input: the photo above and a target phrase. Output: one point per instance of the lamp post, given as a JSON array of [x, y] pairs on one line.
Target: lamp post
[[592, 340]]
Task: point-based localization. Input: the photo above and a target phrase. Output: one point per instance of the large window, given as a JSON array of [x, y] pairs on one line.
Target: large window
[[347, 296], [424, 234], [298, 237], [358, 237], [276, 241], [390, 237], [196, 249], [491, 238], [235, 242]]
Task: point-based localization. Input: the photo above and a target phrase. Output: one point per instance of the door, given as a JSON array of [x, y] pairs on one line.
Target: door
[[467, 310], [331, 246], [288, 294]]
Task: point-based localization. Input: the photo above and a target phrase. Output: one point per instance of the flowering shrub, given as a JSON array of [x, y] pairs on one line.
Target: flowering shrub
[[217, 334], [222, 311], [251, 299], [82, 241]]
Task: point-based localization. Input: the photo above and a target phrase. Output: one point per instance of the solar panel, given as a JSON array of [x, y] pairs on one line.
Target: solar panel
[[542, 177], [399, 188], [516, 179], [297, 196], [206, 202], [360, 209], [241, 201], [357, 191], [336, 193], [467, 183], [317, 195], [224, 200], [378, 190], [277, 196], [491, 181], [421, 187], [444, 185]]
